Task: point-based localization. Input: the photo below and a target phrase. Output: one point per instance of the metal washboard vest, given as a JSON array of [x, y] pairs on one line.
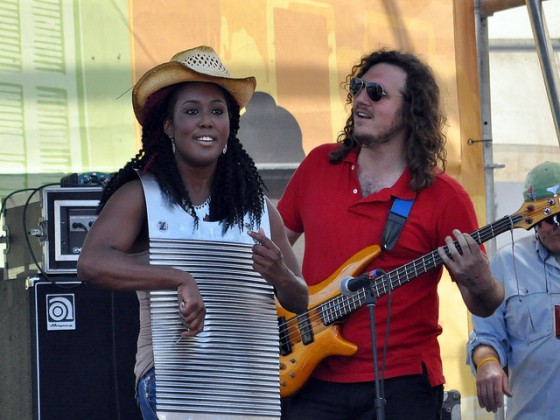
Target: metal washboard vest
[[231, 369]]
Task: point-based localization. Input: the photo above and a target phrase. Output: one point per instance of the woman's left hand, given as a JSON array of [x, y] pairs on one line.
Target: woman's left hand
[[267, 257]]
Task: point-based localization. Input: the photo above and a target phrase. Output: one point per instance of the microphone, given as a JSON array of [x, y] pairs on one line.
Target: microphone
[[350, 285]]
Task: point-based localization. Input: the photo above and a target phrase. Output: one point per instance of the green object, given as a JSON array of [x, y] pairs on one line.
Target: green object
[[542, 181]]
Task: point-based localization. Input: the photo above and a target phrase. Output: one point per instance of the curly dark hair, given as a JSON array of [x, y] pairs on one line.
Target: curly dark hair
[[422, 114], [237, 188]]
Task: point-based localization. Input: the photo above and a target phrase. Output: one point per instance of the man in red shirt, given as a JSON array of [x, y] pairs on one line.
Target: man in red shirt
[[340, 198]]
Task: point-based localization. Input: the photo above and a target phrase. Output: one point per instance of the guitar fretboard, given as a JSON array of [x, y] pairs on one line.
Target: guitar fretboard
[[334, 309]]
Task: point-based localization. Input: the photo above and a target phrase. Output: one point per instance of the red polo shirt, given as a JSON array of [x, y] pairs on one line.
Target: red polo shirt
[[324, 201]]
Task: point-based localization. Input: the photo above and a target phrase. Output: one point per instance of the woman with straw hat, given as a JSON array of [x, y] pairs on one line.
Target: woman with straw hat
[[193, 188]]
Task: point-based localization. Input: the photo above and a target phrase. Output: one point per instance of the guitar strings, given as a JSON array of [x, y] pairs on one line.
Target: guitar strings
[[341, 305]]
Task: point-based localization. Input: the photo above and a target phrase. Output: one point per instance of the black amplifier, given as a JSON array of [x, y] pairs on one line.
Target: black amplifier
[[45, 232]]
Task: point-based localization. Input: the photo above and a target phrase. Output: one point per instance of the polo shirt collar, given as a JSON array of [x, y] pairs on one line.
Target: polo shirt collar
[[401, 189]]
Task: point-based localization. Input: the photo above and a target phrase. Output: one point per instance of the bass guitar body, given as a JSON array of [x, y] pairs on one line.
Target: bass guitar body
[[307, 339]]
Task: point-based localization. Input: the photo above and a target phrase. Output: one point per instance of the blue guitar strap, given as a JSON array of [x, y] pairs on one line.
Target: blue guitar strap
[[398, 216]]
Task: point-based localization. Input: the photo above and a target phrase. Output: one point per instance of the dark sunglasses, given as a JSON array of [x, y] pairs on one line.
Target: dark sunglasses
[[374, 90], [552, 220]]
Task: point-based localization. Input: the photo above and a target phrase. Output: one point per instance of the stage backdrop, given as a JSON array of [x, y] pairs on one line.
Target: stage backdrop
[[67, 68]]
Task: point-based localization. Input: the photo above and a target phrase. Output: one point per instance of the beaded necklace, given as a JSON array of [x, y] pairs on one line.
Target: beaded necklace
[[205, 204]]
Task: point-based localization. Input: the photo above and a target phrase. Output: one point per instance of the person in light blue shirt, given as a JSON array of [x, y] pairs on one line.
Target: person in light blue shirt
[[522, 337]]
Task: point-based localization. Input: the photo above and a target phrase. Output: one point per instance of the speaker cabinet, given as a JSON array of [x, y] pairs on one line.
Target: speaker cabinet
[[68, 350]]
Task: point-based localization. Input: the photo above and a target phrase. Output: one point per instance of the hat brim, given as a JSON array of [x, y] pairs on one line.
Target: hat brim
[[173, 72]]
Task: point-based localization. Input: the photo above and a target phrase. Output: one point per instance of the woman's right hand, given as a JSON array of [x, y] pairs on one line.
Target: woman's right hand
[[191, 308]]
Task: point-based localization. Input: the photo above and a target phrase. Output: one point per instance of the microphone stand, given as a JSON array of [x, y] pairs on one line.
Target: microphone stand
[[379, 399]]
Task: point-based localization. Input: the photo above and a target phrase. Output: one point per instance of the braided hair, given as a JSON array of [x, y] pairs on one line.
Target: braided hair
[[422, 113], [237, 188]]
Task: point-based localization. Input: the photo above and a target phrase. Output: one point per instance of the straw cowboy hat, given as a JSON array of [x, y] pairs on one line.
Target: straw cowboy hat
[[200, 64]]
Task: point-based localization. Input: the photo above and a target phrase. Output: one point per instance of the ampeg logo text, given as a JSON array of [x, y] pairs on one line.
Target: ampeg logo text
[[61, 312]]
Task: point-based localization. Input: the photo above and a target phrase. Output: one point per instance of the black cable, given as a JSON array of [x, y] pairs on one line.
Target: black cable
[[26, 233], [3, 208], [386, 342], [5, 199]]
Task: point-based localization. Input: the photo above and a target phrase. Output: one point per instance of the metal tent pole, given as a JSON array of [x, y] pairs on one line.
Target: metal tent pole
[[546, 58]]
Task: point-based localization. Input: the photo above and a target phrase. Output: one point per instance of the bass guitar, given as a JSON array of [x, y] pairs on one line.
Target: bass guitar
[[308, 338]]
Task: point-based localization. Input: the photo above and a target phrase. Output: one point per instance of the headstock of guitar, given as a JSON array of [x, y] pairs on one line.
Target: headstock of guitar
[[534, 212]]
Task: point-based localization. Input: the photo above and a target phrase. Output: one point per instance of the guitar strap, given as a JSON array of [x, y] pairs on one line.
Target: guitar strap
[[398, 216]]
